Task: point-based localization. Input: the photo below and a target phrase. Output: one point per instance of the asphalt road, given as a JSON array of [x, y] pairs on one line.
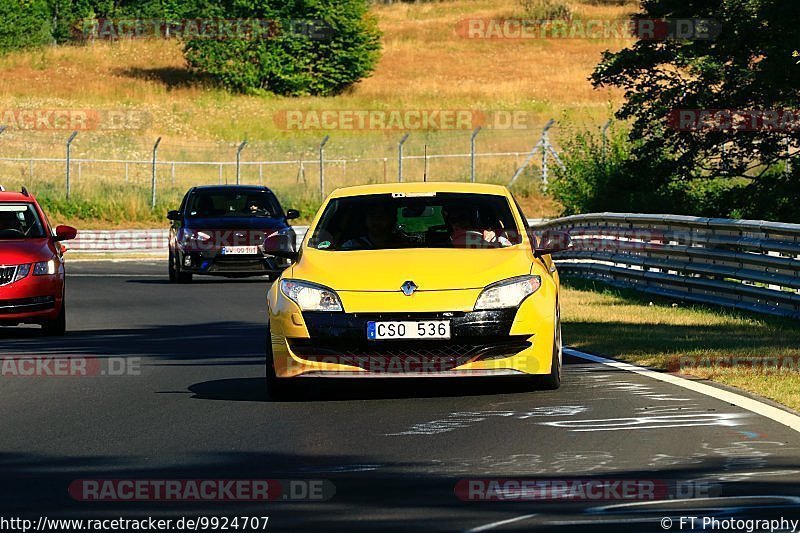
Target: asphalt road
[[192, 405]]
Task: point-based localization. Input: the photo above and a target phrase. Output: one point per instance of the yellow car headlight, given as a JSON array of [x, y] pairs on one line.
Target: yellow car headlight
[[508, 293], [310, 296]]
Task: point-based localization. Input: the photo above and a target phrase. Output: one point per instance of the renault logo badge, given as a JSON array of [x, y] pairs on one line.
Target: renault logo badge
[[408, 288]]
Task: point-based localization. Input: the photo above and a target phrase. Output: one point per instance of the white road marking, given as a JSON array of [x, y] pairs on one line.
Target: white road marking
[[500, 523], [754, 406]]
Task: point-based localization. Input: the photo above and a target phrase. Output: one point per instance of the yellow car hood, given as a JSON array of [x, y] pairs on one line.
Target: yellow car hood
[[430, 269]]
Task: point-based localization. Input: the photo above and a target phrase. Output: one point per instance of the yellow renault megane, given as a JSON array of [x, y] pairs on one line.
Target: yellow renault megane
[[416, 280]]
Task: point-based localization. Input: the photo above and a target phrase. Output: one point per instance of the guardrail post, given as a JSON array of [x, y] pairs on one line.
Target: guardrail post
[[239, 161], [69, 153], [153, 177], [400, 158], [472, 154], [545, 147], [322, 166]]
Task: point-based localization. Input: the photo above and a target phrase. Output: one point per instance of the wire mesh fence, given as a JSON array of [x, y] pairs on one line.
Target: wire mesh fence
[[98, 163]]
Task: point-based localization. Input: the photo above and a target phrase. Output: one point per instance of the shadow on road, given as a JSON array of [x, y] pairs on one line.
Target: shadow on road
[[368, 493], [329, 389]]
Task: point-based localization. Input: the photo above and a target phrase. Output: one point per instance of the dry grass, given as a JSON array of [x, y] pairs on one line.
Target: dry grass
[[626, 326], [425, 65]]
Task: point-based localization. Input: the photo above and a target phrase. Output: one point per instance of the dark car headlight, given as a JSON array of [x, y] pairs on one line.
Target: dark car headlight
[[508, 293]]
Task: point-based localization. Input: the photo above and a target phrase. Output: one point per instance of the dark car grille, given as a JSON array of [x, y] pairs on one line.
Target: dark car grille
[[238, 265], [403, 356], [7, 274]]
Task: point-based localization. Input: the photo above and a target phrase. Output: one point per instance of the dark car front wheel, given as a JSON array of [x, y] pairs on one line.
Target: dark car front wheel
[[175, 272]]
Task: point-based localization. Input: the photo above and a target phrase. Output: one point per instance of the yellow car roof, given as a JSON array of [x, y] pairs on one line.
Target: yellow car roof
[[421, 187]]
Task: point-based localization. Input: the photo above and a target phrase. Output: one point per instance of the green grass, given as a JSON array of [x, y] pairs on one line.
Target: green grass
[[657, 333]]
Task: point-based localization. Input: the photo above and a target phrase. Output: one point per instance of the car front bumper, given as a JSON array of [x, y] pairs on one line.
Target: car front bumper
[[33, 300], [482, 343], [213, 263]]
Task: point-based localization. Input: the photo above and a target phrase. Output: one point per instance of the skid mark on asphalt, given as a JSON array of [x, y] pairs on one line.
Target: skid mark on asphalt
[[466, 419], [650, 422]]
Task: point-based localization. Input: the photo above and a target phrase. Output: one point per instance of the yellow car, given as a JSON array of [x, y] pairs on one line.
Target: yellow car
[[417, 280]]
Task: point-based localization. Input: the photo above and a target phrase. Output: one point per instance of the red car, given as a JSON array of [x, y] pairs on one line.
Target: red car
[[31, 264]]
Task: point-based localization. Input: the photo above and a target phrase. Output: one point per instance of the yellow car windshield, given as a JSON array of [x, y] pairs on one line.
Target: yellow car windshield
[[441, 220]]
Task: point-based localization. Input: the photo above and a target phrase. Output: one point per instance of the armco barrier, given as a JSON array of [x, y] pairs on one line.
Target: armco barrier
[[145, 241], [752, 265], [746, 264]]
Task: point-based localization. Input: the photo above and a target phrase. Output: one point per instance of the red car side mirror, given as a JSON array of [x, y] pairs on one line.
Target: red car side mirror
[[65, 233]]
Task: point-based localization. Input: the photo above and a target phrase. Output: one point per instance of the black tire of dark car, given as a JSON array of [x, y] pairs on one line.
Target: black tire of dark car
[[175, 272]]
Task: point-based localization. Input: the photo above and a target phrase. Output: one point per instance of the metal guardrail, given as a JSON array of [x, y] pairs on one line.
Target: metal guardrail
[[144, 241], [746, 264]]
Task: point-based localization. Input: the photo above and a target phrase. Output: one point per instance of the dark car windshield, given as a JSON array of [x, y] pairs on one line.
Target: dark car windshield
[[232, 203], [20, 221], [436, 220]]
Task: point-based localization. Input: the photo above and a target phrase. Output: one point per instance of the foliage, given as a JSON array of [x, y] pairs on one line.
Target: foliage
[[24, 23], [749, 65], [318, 47]]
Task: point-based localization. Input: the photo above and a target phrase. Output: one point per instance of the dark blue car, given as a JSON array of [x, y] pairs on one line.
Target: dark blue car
[[225, 230]]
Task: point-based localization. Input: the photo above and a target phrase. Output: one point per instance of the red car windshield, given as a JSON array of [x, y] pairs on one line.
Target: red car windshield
[[20, 221]]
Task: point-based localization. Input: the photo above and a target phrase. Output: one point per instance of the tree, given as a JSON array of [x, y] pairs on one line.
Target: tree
[[318, 47], [24, 23], [749, 66]]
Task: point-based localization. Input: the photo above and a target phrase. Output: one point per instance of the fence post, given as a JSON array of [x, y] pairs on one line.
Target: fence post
[[425, 167], [126, 172], [219, 181], [605, 140], [545, 146], [173, 174], [322, 166], [153, 177], [400, 158], [788, 169], [239, 161], [472, 153], [69, 153]]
